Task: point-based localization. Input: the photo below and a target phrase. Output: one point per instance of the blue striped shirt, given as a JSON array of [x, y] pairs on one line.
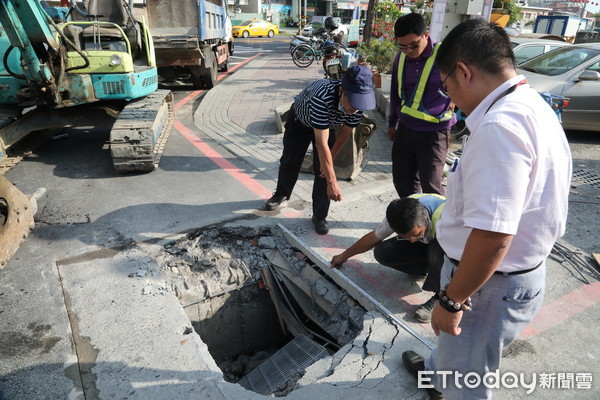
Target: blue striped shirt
[[317, 106]]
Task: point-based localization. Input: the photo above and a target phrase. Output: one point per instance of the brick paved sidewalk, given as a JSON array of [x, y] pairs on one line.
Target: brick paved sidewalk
[[239, 114]]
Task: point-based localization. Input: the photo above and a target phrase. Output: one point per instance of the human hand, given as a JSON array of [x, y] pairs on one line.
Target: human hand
[[390, 133], [322, 172], [333, 191], [338, 261], [445, 321]]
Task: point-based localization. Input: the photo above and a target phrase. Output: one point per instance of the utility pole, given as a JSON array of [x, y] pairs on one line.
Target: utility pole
[[305, 11], [583, 9]]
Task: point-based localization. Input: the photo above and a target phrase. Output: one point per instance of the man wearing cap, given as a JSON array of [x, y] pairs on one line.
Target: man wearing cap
[[420, 120], [322, 107]]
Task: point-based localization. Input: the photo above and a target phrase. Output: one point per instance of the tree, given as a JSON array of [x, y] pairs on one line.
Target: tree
[[511, 8], [368, 30], [380, 20]]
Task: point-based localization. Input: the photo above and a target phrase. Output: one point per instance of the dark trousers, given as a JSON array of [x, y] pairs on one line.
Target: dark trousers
[[296, 139], [418, 160], [413, 258]]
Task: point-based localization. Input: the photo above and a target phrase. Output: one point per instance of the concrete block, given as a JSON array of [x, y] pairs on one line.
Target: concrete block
[[281, 115]]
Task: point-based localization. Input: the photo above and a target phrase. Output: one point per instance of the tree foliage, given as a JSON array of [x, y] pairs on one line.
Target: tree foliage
[[511, 8]]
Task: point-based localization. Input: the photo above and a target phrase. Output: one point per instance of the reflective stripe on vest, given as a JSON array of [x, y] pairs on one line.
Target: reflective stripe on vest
[[416, 109], [438, 211]]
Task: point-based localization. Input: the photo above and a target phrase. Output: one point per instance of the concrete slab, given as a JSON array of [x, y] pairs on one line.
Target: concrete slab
[[131, 334]]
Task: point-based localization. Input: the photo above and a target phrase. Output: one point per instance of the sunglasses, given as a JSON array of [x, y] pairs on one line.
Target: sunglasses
[[411, 46]]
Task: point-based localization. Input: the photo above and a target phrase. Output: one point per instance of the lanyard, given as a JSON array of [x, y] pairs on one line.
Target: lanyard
[[506, 93]]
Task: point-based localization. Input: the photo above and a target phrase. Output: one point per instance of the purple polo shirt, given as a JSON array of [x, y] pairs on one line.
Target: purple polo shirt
[[433, 101]]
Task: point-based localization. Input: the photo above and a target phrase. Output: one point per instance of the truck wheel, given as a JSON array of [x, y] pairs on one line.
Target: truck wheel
[[197, 81], [224, 67], [271, 33], [245, 34], [210, 74]]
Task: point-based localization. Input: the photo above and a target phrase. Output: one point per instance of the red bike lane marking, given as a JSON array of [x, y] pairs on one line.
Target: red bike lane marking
[[242, 177], [571, 304]]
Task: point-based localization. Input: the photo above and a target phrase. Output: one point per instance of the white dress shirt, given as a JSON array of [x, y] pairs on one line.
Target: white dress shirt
[[513, 177]]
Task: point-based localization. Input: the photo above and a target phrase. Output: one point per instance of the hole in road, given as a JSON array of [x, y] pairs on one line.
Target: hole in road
[[264, 310]]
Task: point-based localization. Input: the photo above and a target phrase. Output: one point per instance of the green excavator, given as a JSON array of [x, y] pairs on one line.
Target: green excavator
[[91, 65]]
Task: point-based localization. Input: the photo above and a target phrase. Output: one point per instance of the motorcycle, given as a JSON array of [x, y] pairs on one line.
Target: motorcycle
[[337, 60], [558, 103]]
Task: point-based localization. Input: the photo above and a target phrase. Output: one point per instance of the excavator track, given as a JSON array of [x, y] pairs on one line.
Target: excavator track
[[139, 134]]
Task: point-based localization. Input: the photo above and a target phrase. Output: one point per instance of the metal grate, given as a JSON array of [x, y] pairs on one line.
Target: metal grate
[[284, 365], [117, 87], [583, 177]]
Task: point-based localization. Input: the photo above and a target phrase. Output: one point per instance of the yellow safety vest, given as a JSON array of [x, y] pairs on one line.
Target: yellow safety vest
[[438, 211], [416, 108]]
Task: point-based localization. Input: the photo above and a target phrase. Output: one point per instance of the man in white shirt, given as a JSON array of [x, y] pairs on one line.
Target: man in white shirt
[[506, 205]]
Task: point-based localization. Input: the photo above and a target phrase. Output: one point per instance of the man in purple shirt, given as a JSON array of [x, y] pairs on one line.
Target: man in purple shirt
[[420, 120]]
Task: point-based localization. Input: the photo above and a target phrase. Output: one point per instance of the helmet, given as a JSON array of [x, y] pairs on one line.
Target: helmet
[[330, 24]]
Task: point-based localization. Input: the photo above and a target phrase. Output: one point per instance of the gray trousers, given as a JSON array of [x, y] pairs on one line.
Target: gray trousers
[[502, 308]]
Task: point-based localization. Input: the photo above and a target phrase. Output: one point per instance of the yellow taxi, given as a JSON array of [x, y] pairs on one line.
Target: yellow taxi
[[255, 27]]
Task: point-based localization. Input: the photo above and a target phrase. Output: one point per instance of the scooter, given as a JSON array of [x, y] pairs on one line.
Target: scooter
[[558, 103]]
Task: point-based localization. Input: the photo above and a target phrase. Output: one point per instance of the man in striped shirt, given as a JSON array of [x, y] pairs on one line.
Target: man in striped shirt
[[322, 107]]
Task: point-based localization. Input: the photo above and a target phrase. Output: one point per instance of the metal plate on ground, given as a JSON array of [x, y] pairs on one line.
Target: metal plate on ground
[[284, 365], [584, 177]]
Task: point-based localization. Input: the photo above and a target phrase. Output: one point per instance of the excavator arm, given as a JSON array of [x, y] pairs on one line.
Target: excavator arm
[[29, 30]]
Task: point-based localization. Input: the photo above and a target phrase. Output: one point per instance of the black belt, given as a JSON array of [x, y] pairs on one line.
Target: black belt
[[523, 271]]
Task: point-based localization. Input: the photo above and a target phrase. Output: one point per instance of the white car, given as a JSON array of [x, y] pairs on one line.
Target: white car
[[342, 29], [528, 48]]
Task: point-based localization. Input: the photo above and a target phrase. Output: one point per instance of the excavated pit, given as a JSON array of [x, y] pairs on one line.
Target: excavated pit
[[260, 305]]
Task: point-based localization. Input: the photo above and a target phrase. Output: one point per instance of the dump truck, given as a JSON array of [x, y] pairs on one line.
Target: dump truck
[[190, 37]]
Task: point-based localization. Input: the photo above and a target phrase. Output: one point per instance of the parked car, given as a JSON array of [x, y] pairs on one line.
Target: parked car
[[255, 27], [342, 29], [526, 49], [573, 72]]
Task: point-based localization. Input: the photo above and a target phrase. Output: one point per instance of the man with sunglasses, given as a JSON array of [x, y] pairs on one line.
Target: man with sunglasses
[[322, 107], [414, 250], [420, 119]]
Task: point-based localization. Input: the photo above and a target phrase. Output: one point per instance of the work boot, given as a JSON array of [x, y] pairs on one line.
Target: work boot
[[423, 313], [415, 363], [320, 226], [275, 201]]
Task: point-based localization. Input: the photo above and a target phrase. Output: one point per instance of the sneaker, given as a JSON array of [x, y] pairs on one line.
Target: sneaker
[[415, 363], [275, 201], [423, 313], [320, 226]]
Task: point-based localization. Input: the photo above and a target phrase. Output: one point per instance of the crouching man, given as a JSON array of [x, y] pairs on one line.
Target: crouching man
[[414, 250]]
